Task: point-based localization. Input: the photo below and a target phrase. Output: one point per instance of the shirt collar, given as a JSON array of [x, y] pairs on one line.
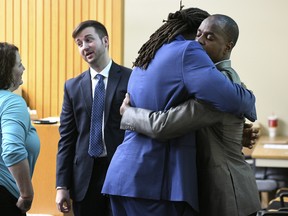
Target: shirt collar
[[226, 60], [104, 72]]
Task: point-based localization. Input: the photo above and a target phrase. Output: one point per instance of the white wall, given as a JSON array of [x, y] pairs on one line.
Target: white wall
[[260, 56]]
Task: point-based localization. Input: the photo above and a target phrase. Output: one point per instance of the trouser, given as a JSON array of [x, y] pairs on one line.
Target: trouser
[[94, 203], [8, 203], [128, 206]]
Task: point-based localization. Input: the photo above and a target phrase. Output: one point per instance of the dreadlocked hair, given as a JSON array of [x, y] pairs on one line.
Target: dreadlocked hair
[[184, 21]]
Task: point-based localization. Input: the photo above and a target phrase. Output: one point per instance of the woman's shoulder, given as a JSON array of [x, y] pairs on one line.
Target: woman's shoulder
[[8, 98], [11, 103]]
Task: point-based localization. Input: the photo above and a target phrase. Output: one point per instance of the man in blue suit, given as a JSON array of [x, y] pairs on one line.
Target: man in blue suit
[[80, 175], [154, 178], [226, 182]]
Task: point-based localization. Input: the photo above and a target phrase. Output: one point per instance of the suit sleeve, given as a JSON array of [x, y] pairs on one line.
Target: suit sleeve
[[66, 145], [203, 81], [177, 121]]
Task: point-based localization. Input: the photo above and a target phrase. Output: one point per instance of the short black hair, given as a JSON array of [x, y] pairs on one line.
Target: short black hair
[[231, 28], [100, 29]]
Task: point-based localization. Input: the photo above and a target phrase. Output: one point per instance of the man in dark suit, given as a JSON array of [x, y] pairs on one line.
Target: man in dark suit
[[155, 178], [79, 175]]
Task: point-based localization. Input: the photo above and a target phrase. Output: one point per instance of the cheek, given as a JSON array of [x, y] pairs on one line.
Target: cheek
[[214, 50], [81, 51], [210, 52], [18, 76]]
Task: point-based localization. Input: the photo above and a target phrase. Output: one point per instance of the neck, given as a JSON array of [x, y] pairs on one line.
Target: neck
[[101, 64]]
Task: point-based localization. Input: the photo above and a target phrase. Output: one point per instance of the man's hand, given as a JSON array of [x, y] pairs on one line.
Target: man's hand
[[125, 104], [63, 200], [250, 135]]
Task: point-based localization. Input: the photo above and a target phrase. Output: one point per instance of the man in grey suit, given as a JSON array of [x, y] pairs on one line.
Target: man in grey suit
[[153, 178], [226, 182], [80, 175]]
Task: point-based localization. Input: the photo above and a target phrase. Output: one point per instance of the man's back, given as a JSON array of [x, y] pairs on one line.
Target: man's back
[[158, 87], [179, 70]]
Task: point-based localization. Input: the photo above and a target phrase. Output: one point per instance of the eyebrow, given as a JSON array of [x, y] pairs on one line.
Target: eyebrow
[[210, 32], [86, 36]]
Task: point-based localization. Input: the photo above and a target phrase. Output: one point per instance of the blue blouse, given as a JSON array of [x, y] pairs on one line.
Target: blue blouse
[[19, 139]]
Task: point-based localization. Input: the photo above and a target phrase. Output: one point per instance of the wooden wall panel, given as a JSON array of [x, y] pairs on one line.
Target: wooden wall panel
[[3, 20], [39, 58], [9, 18], [55, 56], [24, 38], [42, 30]]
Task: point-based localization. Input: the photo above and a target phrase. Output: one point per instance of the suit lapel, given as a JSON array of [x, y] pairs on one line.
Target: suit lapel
[[86, 91], [113, 80]]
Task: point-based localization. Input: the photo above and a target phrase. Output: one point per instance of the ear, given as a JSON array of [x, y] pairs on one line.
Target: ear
[[229, 46], [105, 40]]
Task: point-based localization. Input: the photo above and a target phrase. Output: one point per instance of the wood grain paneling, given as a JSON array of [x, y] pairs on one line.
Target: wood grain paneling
[[42, 31]]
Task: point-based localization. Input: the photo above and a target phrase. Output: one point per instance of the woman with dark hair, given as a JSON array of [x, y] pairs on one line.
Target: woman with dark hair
[[20, 144]]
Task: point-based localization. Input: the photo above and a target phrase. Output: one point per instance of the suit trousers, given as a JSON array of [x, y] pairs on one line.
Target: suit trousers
[[128, 206], [95, 203], [8, 203]]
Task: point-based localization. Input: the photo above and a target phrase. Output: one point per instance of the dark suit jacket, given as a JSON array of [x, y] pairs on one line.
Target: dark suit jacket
[[74, 165], [227, 184], [146, 168]]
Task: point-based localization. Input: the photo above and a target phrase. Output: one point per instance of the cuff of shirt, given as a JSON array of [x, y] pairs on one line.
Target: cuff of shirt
[[61, 188]]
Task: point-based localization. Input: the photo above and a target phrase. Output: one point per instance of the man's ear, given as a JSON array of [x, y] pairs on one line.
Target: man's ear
[[105, 40], [229, 46]]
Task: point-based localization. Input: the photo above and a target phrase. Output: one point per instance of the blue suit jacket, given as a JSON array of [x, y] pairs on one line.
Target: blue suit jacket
[[147, 168], [74, 165]]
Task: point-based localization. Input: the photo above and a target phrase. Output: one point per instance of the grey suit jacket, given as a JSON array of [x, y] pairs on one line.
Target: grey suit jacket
[[226, 182]]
